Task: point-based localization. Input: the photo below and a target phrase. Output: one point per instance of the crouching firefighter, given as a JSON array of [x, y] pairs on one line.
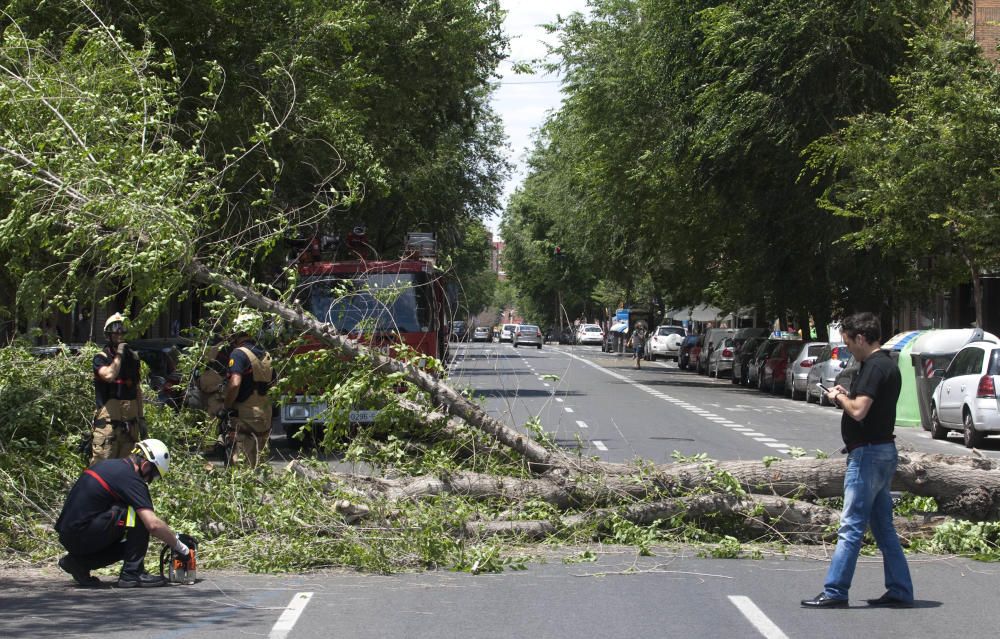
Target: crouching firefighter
[[118, 419], [247, 405], [108, 517]]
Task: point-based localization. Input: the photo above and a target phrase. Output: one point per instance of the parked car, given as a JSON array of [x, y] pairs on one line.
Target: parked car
[[772, 373], [690, 350], [828, 365], [966, 399], [162, 355], [797, 371], [846, 376], [459, 331], [756, 362], [507, 332], [743, 357], [527, 335], [721, 359], [481, 334], [713, 338], [589, 334], [664, 341]]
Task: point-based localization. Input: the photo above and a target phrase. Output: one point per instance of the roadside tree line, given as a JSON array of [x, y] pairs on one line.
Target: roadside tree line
[[807, 159]]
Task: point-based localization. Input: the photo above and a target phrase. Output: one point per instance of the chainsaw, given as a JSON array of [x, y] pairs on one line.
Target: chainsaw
[[172, 564]]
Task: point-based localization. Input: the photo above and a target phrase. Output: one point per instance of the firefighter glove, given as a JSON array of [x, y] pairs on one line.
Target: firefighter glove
[[121, 348], [182, 549]]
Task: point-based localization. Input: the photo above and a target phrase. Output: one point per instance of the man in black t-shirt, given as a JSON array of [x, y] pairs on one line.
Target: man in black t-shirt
[[867, 430], [108, 517], [118, 417]]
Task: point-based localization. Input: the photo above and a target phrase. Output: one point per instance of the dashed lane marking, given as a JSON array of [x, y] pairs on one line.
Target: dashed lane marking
[[697, 410], [292, 612], [599, 445], [567, 409], [581, 424], [757, 618]]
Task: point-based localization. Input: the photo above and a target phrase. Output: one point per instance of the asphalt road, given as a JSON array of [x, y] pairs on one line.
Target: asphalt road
[[599, 403]]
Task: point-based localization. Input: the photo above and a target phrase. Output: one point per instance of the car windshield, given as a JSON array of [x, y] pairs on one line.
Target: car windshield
[[371, 302], [670, 330], [592, 329], [527, 329]]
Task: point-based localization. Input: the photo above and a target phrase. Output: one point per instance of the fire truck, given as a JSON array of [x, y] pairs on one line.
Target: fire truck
[[382, 303]]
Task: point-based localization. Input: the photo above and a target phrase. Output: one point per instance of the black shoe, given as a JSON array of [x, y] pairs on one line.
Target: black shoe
[[145, 580], [80, 574], [888, 601], [822, 601]]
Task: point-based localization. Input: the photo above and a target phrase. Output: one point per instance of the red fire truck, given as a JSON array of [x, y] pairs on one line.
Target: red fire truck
[[380, 302]]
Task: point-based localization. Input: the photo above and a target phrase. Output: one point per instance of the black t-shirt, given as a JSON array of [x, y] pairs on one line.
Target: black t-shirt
[[88, 498], [879, 379], [239, 363], [125, 386]]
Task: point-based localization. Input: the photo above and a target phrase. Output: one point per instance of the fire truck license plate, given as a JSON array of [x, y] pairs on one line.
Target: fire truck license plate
[[362, 416]]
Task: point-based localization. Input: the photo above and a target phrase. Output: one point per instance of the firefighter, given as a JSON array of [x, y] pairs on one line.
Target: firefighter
[[118, 420], [108, 517], [246, 402]]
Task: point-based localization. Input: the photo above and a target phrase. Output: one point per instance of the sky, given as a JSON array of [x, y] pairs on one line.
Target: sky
[[523, 100]]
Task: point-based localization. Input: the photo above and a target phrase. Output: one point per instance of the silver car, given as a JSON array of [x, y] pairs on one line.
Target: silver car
[[829, 363], [527, 335], [507, 332], [721, 359], [797, 373]]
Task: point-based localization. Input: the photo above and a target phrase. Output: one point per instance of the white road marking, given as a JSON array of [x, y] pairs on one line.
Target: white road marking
[[546, 385], [697, 410], [599, 445], [568, 409], [581, 424], [757, 618], [560, 400], [291, 614]]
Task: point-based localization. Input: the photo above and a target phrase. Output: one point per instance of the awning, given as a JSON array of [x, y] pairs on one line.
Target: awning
[[703, 313]]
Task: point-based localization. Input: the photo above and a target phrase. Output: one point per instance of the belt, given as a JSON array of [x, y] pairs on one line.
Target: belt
[[116, 423], [848, 448]]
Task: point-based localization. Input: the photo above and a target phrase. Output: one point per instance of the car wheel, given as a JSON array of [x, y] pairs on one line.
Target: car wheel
[[973, 438], [937, 430]]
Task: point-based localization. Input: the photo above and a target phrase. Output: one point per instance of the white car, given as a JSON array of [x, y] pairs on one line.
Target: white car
[[966, 399], [665, 341], [589, 334], [507, 332]]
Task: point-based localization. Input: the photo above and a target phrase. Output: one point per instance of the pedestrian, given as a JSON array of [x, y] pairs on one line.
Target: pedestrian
[[108, 517], [638, 342], [246, 402], [866, 427], [118, 419]]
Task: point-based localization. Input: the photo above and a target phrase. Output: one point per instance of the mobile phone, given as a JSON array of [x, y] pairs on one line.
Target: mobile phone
[[824, 388]]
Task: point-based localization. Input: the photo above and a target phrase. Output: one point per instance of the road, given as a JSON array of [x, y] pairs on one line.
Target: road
[[598, 402]]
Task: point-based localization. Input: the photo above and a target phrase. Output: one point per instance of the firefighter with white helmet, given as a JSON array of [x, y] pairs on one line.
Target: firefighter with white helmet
[[118, 419], [108, 517], [247, 404]]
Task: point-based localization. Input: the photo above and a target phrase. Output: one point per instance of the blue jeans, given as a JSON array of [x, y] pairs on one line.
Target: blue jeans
[[867, 502]]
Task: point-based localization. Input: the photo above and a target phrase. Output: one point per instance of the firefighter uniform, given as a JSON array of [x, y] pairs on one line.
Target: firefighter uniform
[[118, 406], [252, 422], [98, 525]]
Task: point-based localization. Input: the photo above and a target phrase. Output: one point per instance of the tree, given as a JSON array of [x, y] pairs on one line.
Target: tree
[[922, 178]]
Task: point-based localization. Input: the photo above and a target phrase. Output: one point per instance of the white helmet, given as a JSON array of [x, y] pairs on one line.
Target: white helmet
[[247, 322], [115, 323], [154, 451]]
